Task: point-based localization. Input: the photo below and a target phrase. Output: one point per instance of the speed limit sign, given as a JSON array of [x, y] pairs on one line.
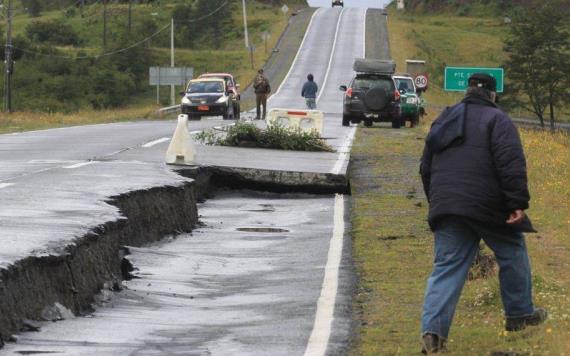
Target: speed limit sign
[[421, 81]]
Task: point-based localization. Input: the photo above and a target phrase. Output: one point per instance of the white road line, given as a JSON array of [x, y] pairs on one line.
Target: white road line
[[296, 56], [155, 142], [4, 185], [344, 151], [331, 56], [319, 339], [77, 165]]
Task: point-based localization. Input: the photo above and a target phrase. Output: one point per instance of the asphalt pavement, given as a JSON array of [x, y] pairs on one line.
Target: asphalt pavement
[[265, 274]]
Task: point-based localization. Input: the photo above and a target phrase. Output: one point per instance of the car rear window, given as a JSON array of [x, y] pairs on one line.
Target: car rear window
[[373, 82], [404, 84]]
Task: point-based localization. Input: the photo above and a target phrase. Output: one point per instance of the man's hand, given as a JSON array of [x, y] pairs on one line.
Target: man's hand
[[516, 217]]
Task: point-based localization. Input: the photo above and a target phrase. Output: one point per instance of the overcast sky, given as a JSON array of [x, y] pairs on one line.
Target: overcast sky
[[351, 3]]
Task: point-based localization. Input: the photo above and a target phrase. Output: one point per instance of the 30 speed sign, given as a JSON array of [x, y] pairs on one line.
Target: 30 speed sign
[[421, 81]]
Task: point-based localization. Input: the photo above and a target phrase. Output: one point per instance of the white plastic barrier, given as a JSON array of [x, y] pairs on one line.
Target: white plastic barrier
[[306, 120], [181, 149]]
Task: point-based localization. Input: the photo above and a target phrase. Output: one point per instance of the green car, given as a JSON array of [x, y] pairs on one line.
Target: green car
[[411, 103]]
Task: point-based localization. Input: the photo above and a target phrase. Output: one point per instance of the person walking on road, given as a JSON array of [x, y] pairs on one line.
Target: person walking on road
[[309, 92], [262, 89], [473, 172]]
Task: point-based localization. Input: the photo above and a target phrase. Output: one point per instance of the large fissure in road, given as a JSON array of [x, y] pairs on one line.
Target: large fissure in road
[[34, 286]]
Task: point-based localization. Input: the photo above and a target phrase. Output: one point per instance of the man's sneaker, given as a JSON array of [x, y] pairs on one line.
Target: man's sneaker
[[432, 343], [519, 323]]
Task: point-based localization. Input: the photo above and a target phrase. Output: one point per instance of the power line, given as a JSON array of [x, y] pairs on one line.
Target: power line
[[99, 55], [106, 54]]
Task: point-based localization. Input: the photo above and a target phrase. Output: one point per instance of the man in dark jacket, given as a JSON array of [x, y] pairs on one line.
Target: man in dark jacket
[[262, 89], [474, 174], [309, 92]]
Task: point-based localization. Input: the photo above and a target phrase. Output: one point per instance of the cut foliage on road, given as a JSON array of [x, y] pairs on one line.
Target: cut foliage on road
[[244, 134]]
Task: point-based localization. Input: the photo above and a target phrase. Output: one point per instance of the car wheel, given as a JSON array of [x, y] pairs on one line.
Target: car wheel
[[345, 120], [396, 123], [368, 122]]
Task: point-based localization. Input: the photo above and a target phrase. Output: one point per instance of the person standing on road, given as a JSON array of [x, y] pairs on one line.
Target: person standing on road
[[262, 89], [474, 175], [309, 92]]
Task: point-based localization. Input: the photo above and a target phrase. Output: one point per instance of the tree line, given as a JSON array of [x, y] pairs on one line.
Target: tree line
[[54, 72], [538, 64]]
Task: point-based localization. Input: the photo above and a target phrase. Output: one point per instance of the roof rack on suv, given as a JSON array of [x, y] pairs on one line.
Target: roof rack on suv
[[376, 66]]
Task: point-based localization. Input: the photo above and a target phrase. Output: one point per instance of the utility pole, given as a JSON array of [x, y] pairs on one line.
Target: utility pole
[[104, 24], [245, 25], [172, 100], [130, 9], [8, 65]]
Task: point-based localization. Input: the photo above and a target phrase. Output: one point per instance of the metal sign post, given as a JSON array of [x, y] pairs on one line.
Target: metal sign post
[[169, 76], [265, 36]]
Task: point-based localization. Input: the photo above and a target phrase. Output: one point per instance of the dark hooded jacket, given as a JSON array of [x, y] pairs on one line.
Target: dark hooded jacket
[[473, 165]]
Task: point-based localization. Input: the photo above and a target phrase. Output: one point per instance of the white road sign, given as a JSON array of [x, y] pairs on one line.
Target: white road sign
[[421, 81]]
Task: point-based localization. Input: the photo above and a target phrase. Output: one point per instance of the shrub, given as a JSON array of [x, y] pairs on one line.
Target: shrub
[[275, 136], [53, 31]]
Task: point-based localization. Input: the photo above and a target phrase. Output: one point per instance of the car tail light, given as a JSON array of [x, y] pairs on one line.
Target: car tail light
[[349, 92], [396, 95]]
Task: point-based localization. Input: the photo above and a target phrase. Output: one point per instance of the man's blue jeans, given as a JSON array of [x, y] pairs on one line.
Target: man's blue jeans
[[311, 103], [456, 244]]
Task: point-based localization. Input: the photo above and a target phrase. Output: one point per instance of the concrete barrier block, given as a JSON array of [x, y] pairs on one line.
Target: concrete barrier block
[[306, 120], [181, 149]]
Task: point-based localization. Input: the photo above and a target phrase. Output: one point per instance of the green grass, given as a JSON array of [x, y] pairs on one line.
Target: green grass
[[392, 248], [392, 245]]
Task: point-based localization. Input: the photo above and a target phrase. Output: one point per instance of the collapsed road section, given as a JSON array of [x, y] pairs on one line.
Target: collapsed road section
[[244, 281], [71, 271], [67, 210]]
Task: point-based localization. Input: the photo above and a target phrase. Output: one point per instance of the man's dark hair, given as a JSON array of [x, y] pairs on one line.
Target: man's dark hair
[[310, 77], [260, 71], [483, 80]]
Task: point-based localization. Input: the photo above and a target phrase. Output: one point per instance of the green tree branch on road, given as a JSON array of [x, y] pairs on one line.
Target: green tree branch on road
[[539, 59]]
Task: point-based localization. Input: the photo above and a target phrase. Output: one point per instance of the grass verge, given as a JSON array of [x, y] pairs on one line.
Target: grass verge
[[27, 121], [392, 244], [393, 251]]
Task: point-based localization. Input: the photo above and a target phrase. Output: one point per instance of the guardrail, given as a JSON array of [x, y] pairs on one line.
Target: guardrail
[[525, 122], [168, 110]]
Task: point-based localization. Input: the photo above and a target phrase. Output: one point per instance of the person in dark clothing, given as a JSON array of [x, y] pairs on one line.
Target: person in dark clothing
[[309, 92], [474, 175], [262, 89]]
